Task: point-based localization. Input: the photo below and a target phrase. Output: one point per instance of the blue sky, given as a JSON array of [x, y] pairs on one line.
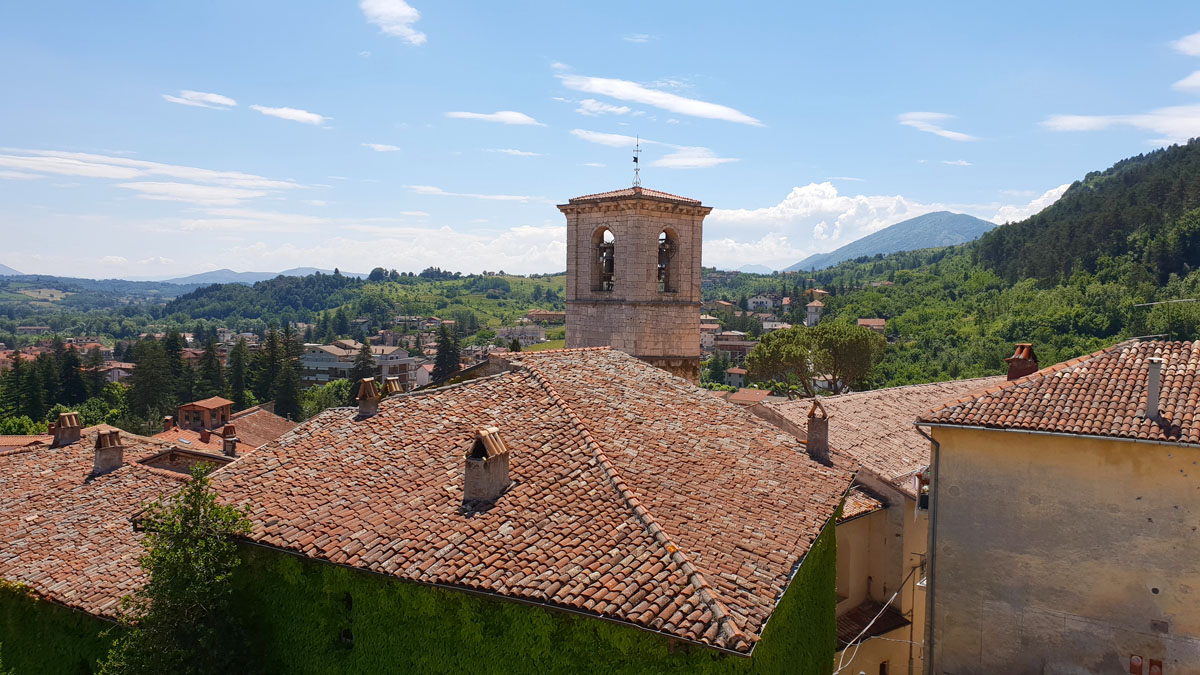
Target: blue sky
[[161, 139]]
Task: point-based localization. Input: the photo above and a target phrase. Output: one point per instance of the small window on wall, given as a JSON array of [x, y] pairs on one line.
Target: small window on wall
[[604, 246], [668, 246], [883, 668]]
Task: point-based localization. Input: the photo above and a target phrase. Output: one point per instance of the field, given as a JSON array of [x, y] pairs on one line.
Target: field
[[551, 344], [45, 294]]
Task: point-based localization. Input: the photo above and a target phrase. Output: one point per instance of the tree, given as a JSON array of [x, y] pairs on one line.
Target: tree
[[846, 353], [152, 383], [94, 377], [287, 393], [211, 378], [447, 361], [237, 373], [72, 389], [332, 394], [363, 366], [267, 362], [377, 274], [181, 621], [784, 355], [718, 363], [515, 345]]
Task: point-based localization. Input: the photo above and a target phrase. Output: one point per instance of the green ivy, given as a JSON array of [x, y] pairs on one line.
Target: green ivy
[[312, 617], [43, 637]]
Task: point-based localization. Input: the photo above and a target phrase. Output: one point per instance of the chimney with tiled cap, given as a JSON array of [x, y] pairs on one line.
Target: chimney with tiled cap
[[229, 440], [168, 423], [205, 434], [109, 452], [66, 430], [368, 397], [486, 474], [391, 385], [817, 433], [1023, 361], [1153, 386]]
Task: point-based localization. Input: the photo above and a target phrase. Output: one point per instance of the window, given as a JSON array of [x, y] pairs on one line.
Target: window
[[603, 260], [668, 246]]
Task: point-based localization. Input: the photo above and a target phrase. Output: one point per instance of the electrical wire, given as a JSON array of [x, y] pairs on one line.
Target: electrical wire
[[857, 641]]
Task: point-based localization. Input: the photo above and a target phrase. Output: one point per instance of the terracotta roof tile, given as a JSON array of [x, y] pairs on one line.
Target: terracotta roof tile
[[211, 402], [634, 192], [257, 427], [1099, 394], [625, 477], [20, 441], [875, 428], [860, 502]]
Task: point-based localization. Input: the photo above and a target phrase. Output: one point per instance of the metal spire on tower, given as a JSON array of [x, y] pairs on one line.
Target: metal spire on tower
[[637, 150]]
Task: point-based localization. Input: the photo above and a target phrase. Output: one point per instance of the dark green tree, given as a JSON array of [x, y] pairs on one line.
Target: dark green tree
[[181, 621], [72, 388], [447, 361], [152, 383], [92, 374], [210, 381], [238, 364], [287, 393], [364, 366], [267, 362], [515, 345]]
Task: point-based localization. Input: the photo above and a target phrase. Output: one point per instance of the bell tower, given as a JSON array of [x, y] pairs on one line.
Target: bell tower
[[633, 276]]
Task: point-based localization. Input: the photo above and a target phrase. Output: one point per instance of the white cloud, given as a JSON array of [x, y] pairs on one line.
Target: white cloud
[[437, 191], [851, 178], [1175, 124], [515, 153], [930, 122], [381, 147], [316, 202], [639, 38], [365, 54], [672, 120], [201, 99], [67, 166], [103, 166], [293, 114], [590, 106], [114, 260], [680, 157], [1189, 83], [501, 116], [633, 92], [189, 192], [1189, 45], [1012, 214], [956, 162], [18, 175], [394, 17], [594, 165]]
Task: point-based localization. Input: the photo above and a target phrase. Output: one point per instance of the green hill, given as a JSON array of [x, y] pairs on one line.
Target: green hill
[[941, 228]]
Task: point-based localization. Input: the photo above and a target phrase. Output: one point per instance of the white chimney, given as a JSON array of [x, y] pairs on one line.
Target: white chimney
[[1153, 386], [229, 440]]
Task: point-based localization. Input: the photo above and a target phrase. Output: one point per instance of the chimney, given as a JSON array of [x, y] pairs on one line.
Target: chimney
[[66, 430], [486, 474], [168, 423], [229, 440], [818, 433], [205, 434], [1153, 386], [109, 453], [391, 385], [1023, 361], [368, 397]]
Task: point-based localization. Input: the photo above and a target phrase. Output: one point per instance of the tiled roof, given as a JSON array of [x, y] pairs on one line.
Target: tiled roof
[[876, 428], [868, 620], [815, 303], [211, 402], [873, 322], [859, 502], [190, 438], [67, 534], [20, 441], [1100, 394], [636, 496], [635, 192], [747, 396], [256, 427]]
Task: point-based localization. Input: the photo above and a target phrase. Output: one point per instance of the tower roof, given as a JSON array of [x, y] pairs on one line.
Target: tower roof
[[635, 193]]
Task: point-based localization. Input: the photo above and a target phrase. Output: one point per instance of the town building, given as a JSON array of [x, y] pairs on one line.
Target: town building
[[32, 330], [734, 344], [211, 425], [735, 377], [877, 325], [633, 276], [813, 313], [116, 371], [546, 316], [324, 363], [708, 335], [771, 325], [1064, 514], [528, 334], [762, 301]]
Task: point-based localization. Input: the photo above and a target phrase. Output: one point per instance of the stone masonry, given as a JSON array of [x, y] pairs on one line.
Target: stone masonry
[[659, 324]]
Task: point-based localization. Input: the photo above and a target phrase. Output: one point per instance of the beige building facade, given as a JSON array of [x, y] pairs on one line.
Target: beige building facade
[[633, 276]]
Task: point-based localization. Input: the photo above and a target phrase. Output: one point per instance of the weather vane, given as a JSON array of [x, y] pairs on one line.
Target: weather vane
[[637, 150]]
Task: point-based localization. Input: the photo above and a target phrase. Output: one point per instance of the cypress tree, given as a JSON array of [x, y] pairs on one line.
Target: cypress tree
[[447, 361]]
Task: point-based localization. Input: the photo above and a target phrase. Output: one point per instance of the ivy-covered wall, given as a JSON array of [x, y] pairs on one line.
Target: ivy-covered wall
[[37, 636], [311, 617]]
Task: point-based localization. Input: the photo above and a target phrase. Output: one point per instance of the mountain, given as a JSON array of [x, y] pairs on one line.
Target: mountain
[[941, 228], [6, 271], [755, 269], [227, 276]]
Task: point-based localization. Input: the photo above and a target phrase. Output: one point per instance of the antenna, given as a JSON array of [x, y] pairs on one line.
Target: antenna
[[637, 150]]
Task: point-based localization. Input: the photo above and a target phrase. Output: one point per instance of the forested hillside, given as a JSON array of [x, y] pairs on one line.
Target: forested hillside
[[940, 228]]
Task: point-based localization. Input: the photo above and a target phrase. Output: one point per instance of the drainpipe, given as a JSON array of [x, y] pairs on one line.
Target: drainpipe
[[930, 552]]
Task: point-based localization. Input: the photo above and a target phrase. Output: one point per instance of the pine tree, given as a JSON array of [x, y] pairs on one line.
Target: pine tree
[[267, 361], [12, 404], [33, 394], [364, 366], [515, 345], [94, 378], [211, 378], [152, 383], [287, 393], [73, 390], [447, 361], [237, 373]]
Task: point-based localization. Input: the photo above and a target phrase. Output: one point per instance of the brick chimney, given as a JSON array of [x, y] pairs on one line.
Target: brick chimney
[[1153, 386], [205, 434], [168, 423], [486, 475], [229, 440], [391, 385], [109, 452], [1022, 362], [818, 432], [368, 397], [66, 430]]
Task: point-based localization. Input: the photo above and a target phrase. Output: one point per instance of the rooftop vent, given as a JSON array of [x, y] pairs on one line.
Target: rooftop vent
[[818, 432], [1023, 361], [368, 397], [109, 452], [391, 385], [486, 475], [1153, 386], [229, 440], [66, 430]]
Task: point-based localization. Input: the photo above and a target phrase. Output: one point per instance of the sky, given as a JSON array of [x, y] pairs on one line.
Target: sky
[[159, 139]]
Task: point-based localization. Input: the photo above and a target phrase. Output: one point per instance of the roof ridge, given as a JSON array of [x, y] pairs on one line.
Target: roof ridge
[[1036, 375], [728, 632]]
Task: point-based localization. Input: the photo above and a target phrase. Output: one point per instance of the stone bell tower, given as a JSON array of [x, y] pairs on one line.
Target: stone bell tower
[[633, 276]]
